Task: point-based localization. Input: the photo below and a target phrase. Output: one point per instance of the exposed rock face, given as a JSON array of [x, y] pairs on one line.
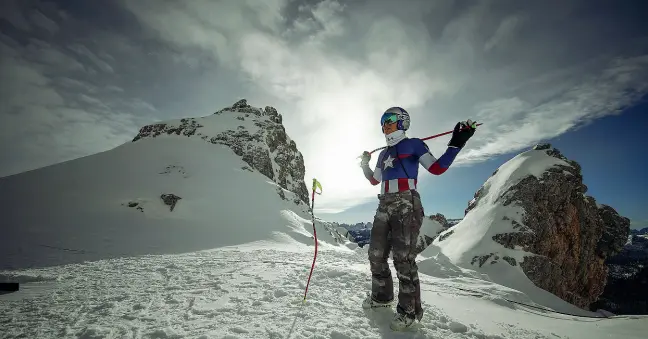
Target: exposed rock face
[[170, 200], [441, 219], [187, 128], [426, 239], [268, 149], [615, 232], [135, 204], [444, 236], [626, 291], [570, 235]]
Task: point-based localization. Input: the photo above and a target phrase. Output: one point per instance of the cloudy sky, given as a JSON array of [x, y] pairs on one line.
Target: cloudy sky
[[81, 77]]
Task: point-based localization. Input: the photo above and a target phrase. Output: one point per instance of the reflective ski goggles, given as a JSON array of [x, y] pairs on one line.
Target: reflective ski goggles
[[388, 118]]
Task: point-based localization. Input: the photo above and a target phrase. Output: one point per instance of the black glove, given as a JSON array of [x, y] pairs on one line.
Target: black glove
[[463, 130], [366, 156]]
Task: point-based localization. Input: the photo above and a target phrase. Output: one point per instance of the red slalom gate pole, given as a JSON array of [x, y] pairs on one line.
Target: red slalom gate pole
[[316, 184], [428, 138]]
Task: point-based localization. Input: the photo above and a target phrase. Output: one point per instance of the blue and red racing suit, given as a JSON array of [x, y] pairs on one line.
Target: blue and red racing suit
[[397, 166]]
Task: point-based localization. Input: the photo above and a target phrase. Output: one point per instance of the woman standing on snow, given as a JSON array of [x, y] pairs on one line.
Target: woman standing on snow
[[400, 214]]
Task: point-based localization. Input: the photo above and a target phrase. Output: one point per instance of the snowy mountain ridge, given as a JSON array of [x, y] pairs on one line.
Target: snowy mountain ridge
[[360, 233], [182, 185], [477, 238], [531, 227], [255, 134], [643, 231], [356, 227]]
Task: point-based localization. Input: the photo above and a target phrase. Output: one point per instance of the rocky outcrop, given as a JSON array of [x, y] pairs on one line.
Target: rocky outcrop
[[170, 200], [277, 148], [267, 148], [441, 219], [570, 235], [615, 231], [426, 239], [136, 205], [626, 291], [187, 128]]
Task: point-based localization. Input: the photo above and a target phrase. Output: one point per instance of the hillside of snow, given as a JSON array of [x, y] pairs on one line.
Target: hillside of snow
[[255, 291], [110, 204], [470, 244]]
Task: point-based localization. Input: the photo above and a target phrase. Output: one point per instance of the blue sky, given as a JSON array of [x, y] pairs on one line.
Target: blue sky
[[81, 77], [610, 151]]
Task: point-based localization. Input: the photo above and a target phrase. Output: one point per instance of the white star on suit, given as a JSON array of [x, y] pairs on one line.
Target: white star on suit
[[389, 162]]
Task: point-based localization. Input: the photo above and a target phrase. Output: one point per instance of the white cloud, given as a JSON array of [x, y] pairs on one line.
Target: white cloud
[[504, 31], [43, 53], [514, 124], [40, 20], [48, 118], [140, 105], [23, 84], [84, 51], [75, 85], [339, 66], [113, 88], [322, 19], [93, 101], [215, 26]]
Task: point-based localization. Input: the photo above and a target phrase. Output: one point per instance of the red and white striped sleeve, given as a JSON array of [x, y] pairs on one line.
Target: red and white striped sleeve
[[431, 163]]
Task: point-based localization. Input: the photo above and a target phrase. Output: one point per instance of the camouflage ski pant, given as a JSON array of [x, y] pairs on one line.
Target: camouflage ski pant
[[396, 228]]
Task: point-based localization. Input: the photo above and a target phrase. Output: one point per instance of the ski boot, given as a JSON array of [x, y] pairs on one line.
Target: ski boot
[[370, 303], [403, 322]]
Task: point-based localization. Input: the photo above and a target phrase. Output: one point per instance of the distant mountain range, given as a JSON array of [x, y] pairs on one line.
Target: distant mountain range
[[643, 231], [625, 291], [453, 222], [361, 232]]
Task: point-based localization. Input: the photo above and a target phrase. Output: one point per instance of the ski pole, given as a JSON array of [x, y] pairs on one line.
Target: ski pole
[[428, 138], [316, 185]]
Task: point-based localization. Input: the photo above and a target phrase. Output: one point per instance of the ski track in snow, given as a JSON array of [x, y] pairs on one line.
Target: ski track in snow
[[225, 293]]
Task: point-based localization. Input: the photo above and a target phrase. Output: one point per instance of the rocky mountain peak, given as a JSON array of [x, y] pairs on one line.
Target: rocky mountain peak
[[568, 233], [256, 135]]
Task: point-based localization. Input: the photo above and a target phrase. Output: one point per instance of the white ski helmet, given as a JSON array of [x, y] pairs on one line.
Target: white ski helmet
[[401, 115]]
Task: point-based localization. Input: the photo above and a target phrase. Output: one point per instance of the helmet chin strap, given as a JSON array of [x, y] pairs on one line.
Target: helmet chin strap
[[395, 137]]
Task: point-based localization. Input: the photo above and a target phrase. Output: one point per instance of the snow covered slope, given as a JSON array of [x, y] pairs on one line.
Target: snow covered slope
[[256, 291], [473, 235], [470, 244], [110, 204]]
